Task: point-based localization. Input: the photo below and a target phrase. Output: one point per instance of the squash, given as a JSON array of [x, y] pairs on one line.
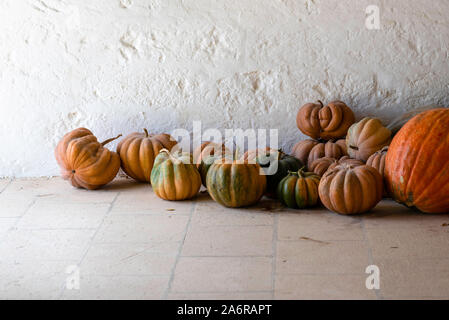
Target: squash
[[84, 161], [276, 165], [299, 190], [348, 189], [417, 162], [174, 176], [326, 122], [138, 150], [377, 161], [235, 184], [366, 137], [320, 166], [309, 150]]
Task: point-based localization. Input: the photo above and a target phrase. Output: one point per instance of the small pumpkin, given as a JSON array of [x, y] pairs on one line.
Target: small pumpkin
[[366, 137], [84, 161], [417, 162], [326, 122], [377, 161], [174, 176], [138, 150], [235, 183], [276, 165], [320, 166], [351, 190], [309, 150], [299, 190]]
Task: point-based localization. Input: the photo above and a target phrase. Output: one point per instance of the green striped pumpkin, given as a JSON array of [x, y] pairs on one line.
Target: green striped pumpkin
[[235, 184], [299, 190], [174, 176]]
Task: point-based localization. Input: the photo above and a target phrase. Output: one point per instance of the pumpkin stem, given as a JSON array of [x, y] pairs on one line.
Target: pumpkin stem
[[110, 140], [354, 148], [146, 132], [321, 103]]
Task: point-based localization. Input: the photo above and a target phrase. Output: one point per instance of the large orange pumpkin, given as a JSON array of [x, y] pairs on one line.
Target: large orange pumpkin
[[417, 162], [138, 150], [325, 122], [84, 161]]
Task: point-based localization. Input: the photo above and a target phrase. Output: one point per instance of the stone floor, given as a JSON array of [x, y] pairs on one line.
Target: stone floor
[[57, 242]]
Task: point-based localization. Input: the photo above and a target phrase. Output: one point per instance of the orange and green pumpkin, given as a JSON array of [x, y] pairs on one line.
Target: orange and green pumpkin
[[417, 162], [299, 190], [235, 183]]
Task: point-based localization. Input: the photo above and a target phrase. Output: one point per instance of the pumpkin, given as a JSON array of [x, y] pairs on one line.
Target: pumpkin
[[417, 162], [174, 176], [276, 165], [138, 150], [320, 166], [350, 189], [299, 190], [235, 184], [366, 137], [326, 122], [377, 161], [309, 150], [207, 149], [84, 161]]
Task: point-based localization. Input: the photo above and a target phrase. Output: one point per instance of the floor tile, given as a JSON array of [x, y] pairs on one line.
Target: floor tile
[[130, 259], [222, 275], [37, 245], [50, 214], [14, 206], [32, 279], [229, 241], [118, 288], [142, 228], [333, 257], [318, 225], [5, 225], [327, 287], [4, 183]]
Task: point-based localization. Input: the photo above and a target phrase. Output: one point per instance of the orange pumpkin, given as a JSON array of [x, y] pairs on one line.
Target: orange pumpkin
[[209, 148], [138, 150], [309, 150], [320, 166], [351, 190], [377, 161], [417, 162], [84, 161], [325, 122], [366, 137]]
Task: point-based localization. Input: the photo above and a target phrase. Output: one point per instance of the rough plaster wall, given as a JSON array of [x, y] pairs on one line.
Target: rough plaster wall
[[118, 66]]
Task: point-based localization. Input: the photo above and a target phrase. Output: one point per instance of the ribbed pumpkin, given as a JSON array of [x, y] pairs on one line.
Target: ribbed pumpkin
[[138, 150], [351, 190], [235, 184], [320, 166], [276, 165], [174, 176], [325, 122], [309, 150], [377, 161], [84, 161], [366, 137], [299, 190], [417, 162]]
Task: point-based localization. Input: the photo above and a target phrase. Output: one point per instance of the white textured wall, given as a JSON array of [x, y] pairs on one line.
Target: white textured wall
[[116, 66]]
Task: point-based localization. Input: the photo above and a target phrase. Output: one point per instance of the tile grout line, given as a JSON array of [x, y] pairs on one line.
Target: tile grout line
[[370, 255], [7, 185], [178, 256], [111, 205], [14, 226], [274, 254]]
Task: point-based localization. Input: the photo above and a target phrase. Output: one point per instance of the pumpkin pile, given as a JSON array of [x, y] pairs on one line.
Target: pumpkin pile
[[346, 166]]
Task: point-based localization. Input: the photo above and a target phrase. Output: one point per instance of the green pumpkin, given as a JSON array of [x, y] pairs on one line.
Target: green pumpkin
[[235, 184], [299, 190], [285, 164], [206, 163]]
